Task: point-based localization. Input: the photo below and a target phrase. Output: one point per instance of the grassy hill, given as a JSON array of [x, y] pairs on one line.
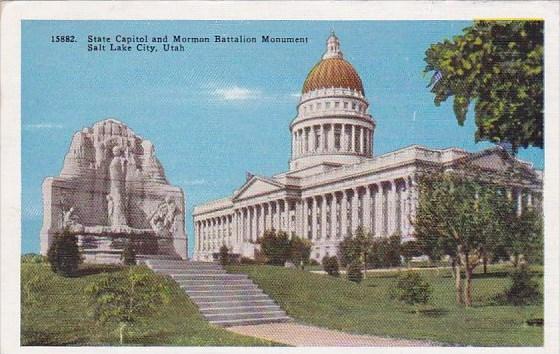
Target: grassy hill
[[367, 308], [58, 315]]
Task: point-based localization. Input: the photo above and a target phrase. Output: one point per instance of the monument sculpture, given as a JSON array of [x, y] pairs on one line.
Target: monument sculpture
[[112, 189]]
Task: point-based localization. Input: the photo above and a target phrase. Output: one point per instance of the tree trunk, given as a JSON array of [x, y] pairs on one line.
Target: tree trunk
[[121, 333], [365, 264], [468, 281], [458, 282], [485, 260]]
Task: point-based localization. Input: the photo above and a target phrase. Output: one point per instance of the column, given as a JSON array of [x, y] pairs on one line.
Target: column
[[343, 215], [519, 194], [331, 138], [299, 220], [343, 139], [354, 211], [324, 217], [379, 210], [311, 146], [333, 216], [314, 219], [366, 209], [278, 215], [323, 139], [305, 220], [361, 140], [529, 198], [353, 142], [392, 202], [262, 219], [268, 218]]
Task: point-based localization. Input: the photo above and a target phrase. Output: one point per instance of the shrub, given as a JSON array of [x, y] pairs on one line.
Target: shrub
[[412, 289], [385, 252], [224, 255], [330, 265], [128, 255], [524, 290], [64, 254], [354, 272], [32, 258], [313, 262], [247, 260], [409, 250], [300, 251], [275, 246]]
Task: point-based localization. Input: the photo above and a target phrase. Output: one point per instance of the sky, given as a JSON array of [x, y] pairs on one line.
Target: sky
[[217, 111]]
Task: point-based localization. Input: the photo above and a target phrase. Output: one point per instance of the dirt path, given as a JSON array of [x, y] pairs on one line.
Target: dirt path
[[309, 336]]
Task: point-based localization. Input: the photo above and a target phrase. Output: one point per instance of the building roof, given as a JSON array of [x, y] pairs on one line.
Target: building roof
[[333, 71]]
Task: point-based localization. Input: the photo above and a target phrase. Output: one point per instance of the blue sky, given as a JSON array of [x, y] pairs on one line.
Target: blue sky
[[215, 111]]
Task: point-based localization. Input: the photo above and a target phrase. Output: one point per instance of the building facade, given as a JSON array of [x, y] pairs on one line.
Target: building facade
[[335, 183]]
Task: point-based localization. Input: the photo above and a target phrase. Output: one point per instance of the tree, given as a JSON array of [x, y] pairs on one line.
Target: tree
[[355, 249], [300, 251], [330, 265], [412, 289], [224, 255], [128, 256], [456, 215], [409, 250], [497, 66], [524, 290], [126, 300], [354, 272], [526, 237], [64, 254], [275, 246]]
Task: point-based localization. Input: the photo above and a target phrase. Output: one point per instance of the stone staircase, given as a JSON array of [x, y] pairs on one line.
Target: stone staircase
[[223, 299]]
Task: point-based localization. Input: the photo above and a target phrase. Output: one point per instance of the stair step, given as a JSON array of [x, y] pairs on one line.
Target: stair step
[[231, 309], [243, 315], [190, 271], [234, 292], [207, 298], [250, 321], [224, 302], [207, 276], [202, 282], [220, 287]]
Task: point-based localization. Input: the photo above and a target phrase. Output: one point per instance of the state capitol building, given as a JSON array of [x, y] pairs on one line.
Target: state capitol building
[[335, 183]]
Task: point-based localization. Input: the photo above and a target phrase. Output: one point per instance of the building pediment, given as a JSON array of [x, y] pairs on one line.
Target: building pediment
[[256, 186], [499, 161]]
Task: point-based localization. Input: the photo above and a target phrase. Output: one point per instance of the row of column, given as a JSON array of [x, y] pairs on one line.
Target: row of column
[[329, 138], [382, 208]]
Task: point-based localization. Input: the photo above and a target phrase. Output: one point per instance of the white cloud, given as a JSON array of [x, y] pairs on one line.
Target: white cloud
[[236, 93], [42, 126], [194, 182]]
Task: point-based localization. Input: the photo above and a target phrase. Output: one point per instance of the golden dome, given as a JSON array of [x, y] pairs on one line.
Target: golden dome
[[333, 72]]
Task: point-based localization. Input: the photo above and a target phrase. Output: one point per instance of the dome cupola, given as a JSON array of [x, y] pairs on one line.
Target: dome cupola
[[333, 123]]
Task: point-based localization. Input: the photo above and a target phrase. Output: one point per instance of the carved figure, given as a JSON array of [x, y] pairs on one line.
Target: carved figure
[[117, 173]]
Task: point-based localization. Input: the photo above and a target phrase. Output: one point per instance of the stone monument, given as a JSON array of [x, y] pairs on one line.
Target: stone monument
[[112, 188]]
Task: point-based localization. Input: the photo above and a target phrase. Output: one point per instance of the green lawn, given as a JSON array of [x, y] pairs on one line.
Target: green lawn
[[60, 316], [367, 308]]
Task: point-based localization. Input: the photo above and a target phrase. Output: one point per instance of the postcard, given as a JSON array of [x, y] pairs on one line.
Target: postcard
[[256, 176]]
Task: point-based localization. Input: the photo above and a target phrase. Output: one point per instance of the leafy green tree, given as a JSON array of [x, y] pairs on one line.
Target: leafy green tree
[[526, 236], [128, 255], [275, 246], [64, 254], [300, 251], [355, 249], [224, 255], [354, 272], [125, 301], [498, 67], [413, 290], [524, 290], [457, 214], [330, 266], [409, 250]]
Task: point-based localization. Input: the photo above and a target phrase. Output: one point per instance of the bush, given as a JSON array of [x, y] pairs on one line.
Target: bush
[[224, 255], [248, 261], [64, 254], [409, 250], [300, 251], [128, 255], [32, 258], [313, 262], [275, 246], [354, 272], [412, 289], [385, 252], [524, 290], [330, 265]]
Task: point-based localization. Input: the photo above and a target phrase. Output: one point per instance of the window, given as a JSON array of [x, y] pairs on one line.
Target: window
[[327, 105], [317, 138], [336, 104], [345, 105], [319, 106], [353, 105]]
